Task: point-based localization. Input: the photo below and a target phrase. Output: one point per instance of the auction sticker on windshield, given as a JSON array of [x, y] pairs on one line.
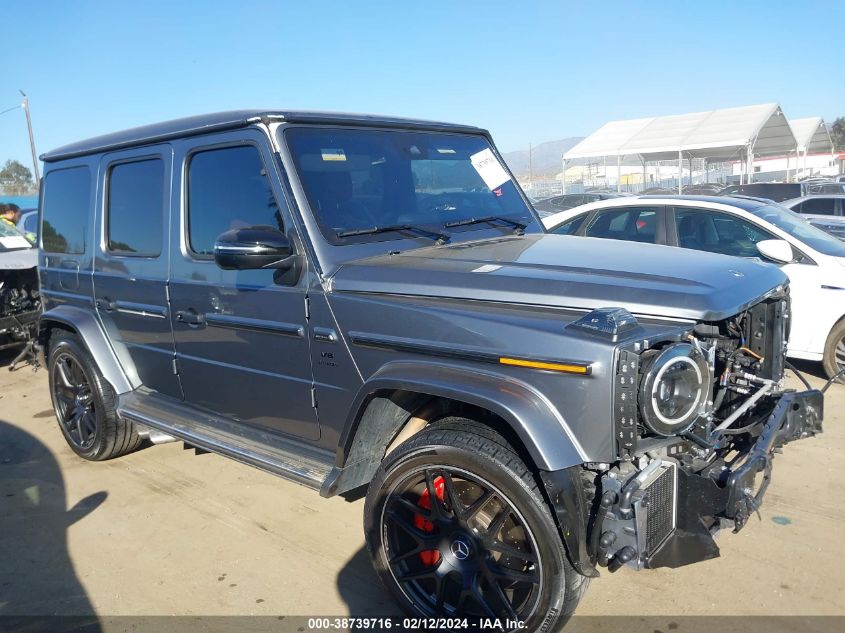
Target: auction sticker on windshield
[[489, 168], [333, 154]]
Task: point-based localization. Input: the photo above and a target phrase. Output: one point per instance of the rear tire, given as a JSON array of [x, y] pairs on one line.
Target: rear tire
[[84, 402], [834, 352], [518, 560]]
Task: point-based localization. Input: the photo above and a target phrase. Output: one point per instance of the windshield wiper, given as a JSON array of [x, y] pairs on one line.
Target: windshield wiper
[[439, 237], [518, 227]]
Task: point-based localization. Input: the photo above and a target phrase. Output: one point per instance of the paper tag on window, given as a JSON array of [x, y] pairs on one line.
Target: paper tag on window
[[333, 154], [489, 168], [14, 241]]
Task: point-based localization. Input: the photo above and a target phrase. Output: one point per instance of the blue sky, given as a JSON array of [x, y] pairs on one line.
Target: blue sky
[[528, 71]]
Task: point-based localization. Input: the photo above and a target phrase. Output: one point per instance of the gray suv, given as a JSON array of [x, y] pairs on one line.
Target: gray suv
[[369, 305]]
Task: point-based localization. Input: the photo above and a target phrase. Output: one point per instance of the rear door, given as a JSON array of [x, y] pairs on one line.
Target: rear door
[[242, 348], [131, 264]]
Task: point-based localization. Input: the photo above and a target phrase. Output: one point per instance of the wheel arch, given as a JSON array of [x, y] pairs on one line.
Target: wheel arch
[[399, 390], [88, 329]]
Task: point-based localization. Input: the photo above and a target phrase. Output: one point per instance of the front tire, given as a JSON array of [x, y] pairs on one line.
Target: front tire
[[456, 526], [84, 402], [834, 352]]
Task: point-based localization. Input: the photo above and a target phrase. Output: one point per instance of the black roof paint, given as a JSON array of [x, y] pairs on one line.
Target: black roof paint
[[218, 121]]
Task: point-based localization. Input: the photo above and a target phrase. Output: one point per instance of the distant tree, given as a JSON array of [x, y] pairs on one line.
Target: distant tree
[[837, 133], [15, 179]]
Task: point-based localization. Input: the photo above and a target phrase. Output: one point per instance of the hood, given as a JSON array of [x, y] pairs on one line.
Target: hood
[[571, 272]]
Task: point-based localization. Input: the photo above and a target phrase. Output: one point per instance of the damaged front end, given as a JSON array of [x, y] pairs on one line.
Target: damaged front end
[[20, 301], [698, 421]]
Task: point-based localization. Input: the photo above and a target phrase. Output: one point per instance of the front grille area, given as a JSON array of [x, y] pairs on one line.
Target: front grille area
[[660, 518], [765, 334]]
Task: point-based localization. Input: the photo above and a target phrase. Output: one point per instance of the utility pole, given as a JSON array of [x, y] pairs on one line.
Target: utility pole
[[530, 164], [25, 106]]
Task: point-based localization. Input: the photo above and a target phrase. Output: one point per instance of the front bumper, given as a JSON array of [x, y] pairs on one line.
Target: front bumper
[[670, 520], [706, 503]]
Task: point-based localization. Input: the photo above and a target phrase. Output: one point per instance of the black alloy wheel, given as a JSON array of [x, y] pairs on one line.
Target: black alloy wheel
[[73, 400], [85, 403], [458, 527], [458, 545]]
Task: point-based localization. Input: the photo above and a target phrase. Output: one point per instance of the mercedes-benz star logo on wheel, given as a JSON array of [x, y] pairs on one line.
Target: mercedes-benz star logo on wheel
[[460, 548]]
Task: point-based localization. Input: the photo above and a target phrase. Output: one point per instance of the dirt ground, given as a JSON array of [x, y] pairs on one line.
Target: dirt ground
[[165, 531]]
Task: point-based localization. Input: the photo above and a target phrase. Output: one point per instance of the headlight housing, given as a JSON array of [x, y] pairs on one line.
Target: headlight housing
[[674, 389]]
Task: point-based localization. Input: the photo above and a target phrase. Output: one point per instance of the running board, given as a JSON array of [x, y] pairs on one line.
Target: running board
[[280, 456]]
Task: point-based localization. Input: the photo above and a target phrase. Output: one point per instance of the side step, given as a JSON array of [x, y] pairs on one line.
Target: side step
[[276, 454]]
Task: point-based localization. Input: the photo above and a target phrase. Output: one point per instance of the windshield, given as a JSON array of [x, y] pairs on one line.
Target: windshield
[[799, 228], [360, 179]]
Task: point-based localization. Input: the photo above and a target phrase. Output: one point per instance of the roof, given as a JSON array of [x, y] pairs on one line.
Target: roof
[[206, 123], [715, 134], [811, 134]]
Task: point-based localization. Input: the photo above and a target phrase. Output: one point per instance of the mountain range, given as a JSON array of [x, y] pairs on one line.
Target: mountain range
[[545, 158]]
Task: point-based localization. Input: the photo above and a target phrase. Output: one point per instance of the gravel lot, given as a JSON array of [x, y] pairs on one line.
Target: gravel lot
[[166, 531]]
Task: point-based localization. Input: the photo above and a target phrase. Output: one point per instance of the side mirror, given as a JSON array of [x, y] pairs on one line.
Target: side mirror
[[253, 248], [776, 250]]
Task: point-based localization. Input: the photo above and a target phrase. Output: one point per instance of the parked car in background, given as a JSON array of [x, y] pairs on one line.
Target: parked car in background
[[834, 226], [824, 211], [570, 200], [702, 189], [821, 205], [28, 224], [775, 191], [743, 227], [780, 191], [657, 191], [359, 302]]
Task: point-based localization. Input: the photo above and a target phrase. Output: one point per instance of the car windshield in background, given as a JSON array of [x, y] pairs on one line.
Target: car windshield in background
[[799, 228], [404, 184]]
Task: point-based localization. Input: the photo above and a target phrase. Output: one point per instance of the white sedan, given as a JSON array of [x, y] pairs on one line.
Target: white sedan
[[743, 227]]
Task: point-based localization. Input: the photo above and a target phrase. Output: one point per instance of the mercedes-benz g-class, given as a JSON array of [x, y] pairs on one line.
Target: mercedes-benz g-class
[[367, 303]]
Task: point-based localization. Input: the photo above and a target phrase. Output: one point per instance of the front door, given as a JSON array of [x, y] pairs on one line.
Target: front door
[[130, 267], [241, 335]]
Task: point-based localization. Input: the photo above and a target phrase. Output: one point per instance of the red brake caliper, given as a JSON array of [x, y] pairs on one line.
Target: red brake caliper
[[429, 557]]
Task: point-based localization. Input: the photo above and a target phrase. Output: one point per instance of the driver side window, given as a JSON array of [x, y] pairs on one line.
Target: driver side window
[[718, 232]]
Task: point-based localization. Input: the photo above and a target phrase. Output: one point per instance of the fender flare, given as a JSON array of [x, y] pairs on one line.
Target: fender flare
[[540, 427], [86, 325]]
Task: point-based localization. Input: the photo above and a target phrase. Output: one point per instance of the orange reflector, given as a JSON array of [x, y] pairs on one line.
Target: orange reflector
[[569, 369]]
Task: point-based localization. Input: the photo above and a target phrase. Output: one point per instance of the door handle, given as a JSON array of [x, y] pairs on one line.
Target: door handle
[[325, 335], [190, 317]]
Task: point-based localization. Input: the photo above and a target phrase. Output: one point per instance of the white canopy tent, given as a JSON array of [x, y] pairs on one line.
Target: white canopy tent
[[811, 136], [760, 130]]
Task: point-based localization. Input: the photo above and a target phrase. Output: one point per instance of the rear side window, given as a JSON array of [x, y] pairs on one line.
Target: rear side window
[[819, 206], [228, 189], [135, 208], [632, 224], [66, 209], [569, 227]]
